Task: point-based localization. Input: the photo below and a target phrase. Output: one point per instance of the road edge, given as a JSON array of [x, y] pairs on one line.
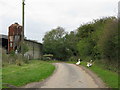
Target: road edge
[[39, 83], [95, 77]]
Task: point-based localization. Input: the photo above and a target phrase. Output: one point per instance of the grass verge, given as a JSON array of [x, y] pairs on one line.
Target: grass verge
[[0, 78], [35, 71], [108, 77]]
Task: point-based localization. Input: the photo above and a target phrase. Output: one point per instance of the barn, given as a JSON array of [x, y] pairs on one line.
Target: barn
[[13, 40]]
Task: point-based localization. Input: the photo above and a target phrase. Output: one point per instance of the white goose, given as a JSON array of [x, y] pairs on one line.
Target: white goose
[[89, 64], [78, 62]]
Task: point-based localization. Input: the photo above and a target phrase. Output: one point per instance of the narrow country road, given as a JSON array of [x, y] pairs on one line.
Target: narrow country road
[[67, 76]]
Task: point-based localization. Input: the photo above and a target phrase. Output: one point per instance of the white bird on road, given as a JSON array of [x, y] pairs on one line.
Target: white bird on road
[[78, 62]]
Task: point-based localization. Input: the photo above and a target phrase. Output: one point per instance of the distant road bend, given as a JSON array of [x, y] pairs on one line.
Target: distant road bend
[[68, 76]]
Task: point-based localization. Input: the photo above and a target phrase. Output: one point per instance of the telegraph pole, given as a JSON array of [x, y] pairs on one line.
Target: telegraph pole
[[23, 4]]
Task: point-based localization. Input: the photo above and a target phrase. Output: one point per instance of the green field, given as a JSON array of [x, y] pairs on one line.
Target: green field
[[109, 77], [35, 71]]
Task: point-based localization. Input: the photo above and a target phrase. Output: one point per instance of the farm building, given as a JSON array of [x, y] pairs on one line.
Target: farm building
[[14, 37], [13, 40]]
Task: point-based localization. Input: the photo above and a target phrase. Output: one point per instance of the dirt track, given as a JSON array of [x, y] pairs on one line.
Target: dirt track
[[69, 76]]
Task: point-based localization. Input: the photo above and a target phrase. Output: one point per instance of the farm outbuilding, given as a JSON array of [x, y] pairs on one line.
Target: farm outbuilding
[[35, 49], [12, 42], [14, 37], [4, 42]]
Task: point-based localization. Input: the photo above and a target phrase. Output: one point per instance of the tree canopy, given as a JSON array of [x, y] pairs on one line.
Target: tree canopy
[[97, 40]]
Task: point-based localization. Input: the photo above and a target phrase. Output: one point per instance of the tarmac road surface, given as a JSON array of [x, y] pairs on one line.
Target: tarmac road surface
[[67, 76]]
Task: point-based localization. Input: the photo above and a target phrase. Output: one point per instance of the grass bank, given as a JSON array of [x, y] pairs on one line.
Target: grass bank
[[0, 77], [35, 71], [109, 77]]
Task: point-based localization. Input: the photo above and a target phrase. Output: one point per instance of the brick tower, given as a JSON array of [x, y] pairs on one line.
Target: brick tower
[[14, 37]]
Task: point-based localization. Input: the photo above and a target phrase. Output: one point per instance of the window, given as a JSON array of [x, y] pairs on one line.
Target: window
[[11, 44], [11, 38]]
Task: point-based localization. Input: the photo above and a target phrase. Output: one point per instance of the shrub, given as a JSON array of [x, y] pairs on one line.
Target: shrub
[[73, 58]]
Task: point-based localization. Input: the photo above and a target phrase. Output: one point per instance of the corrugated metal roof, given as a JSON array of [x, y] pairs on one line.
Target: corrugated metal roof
[[6, 37], [3, 36]]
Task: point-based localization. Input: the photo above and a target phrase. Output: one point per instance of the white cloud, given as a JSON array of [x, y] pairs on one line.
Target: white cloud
[[43, 15]]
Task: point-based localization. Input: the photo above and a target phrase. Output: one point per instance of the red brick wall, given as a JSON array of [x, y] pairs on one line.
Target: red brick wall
[[14, 29]]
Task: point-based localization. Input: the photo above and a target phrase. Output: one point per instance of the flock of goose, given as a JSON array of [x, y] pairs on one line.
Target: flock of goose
[[89, 64]]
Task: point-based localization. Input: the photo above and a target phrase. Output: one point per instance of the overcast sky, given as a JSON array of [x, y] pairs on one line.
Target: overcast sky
[[43, 15]]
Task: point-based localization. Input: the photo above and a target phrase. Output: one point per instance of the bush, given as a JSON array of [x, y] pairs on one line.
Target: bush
[[25, 48], [73, 58], [46, 58], [13, 58]]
